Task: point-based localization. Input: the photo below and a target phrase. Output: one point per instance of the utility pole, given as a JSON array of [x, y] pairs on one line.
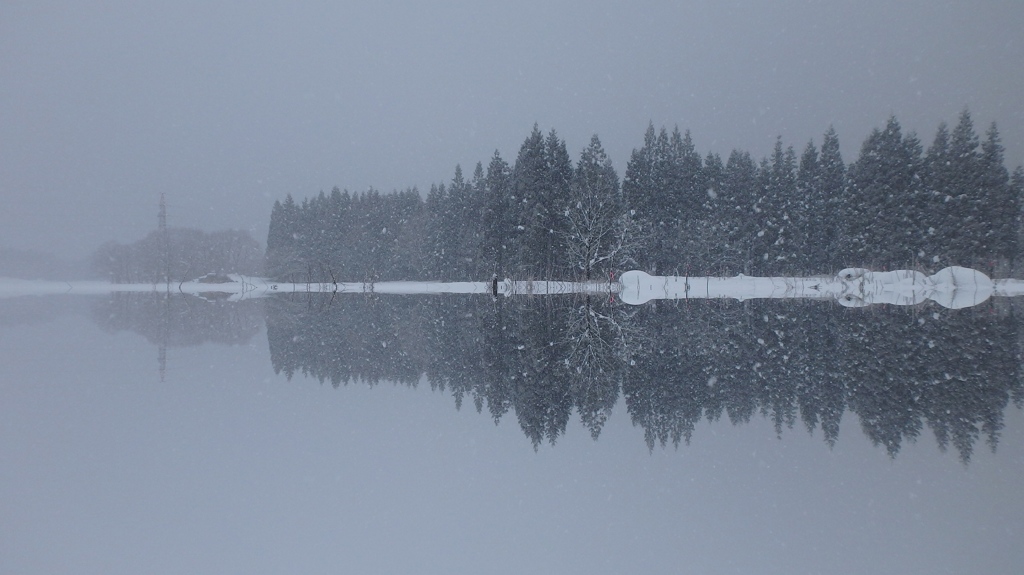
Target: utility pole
[[165, 240], [165, 248]]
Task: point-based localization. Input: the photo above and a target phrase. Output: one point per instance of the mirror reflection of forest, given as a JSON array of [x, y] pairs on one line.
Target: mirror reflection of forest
[[548, 360], [800, 364]]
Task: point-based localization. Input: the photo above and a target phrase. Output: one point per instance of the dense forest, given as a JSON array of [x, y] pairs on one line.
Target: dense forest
[[675, 212]]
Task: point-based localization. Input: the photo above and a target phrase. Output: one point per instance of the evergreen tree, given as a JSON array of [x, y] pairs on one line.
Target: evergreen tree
[[936, 208], [528, 209], [638, 190], [474, 215], [556, 200], [965, 183], [441, 232], [832, 190], [881, 224], [665, 222], [1000, 204], [705, 244], [810, 213], [714, 174], [461, 221], [774, 242], [284, 256], [1017, 192], [497, 215], [688, 186], [737, 200]]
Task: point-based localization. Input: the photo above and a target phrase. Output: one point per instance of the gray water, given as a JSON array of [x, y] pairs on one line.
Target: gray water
[[226, 466]]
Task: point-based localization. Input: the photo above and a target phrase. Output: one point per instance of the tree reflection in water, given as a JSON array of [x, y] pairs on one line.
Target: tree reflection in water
[[673, 363]]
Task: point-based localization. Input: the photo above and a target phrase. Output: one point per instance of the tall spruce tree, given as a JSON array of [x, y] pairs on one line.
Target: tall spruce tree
[[639, 187], [436, 238], [1017, 192], [832, 190], [497, 215], [556, 200], [965, 183], [462, 223], [737, 200], [528, 209], [774, 241], [1001, 205], [937, 207], [685, 190], [689, 183], [809, 214]]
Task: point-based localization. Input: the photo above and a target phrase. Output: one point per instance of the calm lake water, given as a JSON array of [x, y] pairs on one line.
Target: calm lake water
[[233, 451]]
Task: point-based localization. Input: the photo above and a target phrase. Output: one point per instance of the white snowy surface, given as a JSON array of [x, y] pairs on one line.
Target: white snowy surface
[[953, 287]]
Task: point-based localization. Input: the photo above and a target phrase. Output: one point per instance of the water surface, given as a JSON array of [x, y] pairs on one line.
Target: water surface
[[230, 465]]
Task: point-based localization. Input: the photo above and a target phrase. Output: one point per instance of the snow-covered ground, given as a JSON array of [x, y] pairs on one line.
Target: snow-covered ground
[[952, 287]]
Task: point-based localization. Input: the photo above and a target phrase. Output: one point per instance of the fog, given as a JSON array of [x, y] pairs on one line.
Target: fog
[[225, 108], [301, 432]]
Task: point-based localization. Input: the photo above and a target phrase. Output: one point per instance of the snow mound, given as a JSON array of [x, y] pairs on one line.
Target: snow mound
[[639, 287], [957, 287]]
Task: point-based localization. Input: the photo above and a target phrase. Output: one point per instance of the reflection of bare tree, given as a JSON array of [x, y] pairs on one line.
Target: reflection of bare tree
[[598, 342]]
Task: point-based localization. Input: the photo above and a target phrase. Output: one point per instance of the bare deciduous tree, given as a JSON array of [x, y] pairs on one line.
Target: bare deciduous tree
[[599, 234]]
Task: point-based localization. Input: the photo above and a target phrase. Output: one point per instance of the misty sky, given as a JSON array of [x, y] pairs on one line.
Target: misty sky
[[225, 107]]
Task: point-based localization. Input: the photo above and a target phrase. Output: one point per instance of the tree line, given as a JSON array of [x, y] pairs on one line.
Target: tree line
[[674, 212]]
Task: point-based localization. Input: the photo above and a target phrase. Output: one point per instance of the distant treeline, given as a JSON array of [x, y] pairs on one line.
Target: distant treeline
[[673, 364], [183, 254], [675, 212]]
